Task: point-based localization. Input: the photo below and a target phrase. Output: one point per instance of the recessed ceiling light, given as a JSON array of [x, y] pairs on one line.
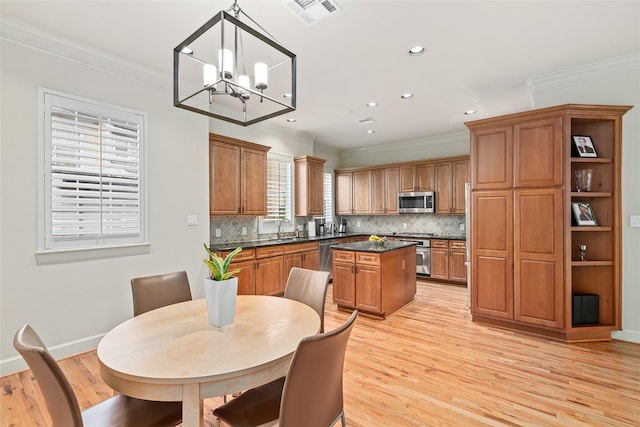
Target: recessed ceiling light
[[417, 50], [348, 111], [469, 112], [372, 104], [371, 131], [291, 120], [406, 95], [186, 51]]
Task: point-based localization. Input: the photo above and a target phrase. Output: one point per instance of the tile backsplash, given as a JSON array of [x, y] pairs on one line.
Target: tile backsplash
[[231, 226]]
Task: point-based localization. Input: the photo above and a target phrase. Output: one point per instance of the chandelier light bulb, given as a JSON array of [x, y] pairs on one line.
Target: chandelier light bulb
[[210, 75], [225, 60], [261, 75]]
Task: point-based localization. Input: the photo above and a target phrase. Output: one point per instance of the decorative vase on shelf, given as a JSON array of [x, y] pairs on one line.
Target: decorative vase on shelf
[[221, 288], [221, 300]]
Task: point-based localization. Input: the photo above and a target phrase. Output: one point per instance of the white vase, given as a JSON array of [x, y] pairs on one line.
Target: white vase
[[221, 300]]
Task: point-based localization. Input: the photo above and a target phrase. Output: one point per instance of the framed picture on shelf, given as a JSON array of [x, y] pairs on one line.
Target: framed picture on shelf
[[584, 146], [583, 214]]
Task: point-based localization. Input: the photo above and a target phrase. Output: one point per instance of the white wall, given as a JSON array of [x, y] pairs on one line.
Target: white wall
[[73, 304]]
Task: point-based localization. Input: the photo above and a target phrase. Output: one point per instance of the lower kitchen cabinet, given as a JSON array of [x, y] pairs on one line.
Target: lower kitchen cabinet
[[303, 255], [448, 260]]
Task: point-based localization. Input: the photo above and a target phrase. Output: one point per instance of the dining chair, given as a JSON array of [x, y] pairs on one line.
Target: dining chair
[[153, 292], [308, 287], [63, 405], [311, 394]]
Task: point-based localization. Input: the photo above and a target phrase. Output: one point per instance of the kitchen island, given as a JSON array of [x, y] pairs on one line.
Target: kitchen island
[[378, 280]]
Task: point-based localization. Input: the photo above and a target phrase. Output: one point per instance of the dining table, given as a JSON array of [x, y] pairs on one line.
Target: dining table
[[173, 354]]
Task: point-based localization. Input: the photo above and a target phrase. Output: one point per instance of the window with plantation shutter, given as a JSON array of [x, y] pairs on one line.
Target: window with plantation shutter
[[328, 196], [93, 170], [279, 194]]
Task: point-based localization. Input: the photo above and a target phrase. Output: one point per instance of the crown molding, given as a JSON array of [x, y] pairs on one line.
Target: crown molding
[[24, 35], [411, 144], [585, 74]]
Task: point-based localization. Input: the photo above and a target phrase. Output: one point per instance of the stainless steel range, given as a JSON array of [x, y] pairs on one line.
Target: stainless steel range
[[423, 250]]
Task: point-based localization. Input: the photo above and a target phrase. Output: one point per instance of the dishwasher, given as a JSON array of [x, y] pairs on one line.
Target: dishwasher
[[325, 255]]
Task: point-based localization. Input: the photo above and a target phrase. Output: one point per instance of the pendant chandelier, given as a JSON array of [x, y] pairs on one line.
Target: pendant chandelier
[[234, 72]]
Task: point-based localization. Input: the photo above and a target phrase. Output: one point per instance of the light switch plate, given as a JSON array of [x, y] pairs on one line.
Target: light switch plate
[[635, 220], [218, 233], [192, 219], [244, 231]]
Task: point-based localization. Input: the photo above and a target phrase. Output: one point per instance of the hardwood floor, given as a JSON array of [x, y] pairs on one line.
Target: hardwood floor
[[429, 365]]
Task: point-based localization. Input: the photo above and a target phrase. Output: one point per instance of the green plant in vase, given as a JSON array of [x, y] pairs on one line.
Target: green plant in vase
[[218, 266]]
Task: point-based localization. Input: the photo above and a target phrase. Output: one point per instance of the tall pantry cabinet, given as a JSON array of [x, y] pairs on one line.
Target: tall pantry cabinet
[[526, 269]]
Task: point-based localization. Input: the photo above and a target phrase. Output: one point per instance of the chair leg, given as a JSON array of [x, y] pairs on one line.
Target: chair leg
[[341, 418]]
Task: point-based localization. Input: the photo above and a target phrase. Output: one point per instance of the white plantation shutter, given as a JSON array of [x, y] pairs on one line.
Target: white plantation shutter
[[279, 188], [93, 174], [327, 197]]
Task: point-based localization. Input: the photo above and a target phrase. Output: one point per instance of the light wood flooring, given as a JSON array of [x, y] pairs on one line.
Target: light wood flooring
[[429, 365]]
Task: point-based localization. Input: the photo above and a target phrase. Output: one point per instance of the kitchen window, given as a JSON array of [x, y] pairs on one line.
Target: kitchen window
[[92, 174], [327, 196], [279, 195]]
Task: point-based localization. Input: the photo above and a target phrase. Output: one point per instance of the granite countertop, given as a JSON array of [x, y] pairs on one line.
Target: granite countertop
[[226, 246], [367, 246]]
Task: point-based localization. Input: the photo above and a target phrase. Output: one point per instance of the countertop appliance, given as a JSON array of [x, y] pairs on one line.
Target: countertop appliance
[[320, 226], [343, 225], [417, 202], [423, 251]]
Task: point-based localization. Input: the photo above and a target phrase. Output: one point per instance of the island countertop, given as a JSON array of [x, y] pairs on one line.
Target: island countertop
[[366, 246]]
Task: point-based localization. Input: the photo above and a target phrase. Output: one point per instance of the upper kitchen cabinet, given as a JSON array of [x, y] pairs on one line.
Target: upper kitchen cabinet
[[384, 191], [237, 176], [535, 257], [344, 195], [450, 178], [309, 185], [416, 177], [353, 192]]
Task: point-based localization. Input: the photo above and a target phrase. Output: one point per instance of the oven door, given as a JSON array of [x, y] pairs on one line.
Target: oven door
[[423, 260]]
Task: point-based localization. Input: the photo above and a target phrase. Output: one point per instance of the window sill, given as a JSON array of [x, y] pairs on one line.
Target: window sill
[[60, 256]]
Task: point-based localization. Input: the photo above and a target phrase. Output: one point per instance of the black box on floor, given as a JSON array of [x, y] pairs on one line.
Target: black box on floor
[[585, 309]]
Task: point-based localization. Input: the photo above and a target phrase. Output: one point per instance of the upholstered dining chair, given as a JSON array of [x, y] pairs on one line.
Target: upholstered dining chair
[[153, 292], [63, 405], [308, 287], [311, 394]]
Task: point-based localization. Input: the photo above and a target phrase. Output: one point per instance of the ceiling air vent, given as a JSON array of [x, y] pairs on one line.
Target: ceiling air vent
[[366, 121], [312, 11]]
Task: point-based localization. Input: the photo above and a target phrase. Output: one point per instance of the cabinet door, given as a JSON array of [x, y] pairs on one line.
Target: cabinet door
[[316, 189], [344, 193], [492, 253], [246, 277], [538, 153], [407, 174], [269, 273], [460, 178], [439, 262], [492, 154], [538, 257], [289, 261], [362, 192], [424, 177], [391, 190], [368, 288], [444, 187], [344, 284], [254, 182], [457, 267], [224, 178], [378, 197], [311, 260]]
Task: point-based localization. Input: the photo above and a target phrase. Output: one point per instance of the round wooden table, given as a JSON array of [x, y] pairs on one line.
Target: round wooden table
[[174, 354]]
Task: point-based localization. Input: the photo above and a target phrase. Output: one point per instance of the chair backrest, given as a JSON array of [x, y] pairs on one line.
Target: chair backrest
[[153, 292], [57, 392], [308, 287], [312, 395]]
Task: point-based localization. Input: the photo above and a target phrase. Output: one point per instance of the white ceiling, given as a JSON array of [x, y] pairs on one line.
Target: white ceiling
[[479, 56]]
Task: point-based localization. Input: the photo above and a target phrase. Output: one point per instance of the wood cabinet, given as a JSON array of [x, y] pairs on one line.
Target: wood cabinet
[[376, 283], [270, 270], [343, 193], [525, 263], [448, 259], [450, 178], [303, 255], [309, 185], [384, 191], [237, 176], [362, 192], [416, 177]]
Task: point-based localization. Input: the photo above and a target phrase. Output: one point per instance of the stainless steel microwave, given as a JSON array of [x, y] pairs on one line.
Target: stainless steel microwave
[[417, 202]]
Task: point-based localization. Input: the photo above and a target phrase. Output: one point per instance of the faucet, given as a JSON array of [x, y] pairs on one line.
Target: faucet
[[280, 227]]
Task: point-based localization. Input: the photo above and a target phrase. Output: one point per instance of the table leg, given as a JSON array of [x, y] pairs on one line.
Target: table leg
[[192, 406]]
